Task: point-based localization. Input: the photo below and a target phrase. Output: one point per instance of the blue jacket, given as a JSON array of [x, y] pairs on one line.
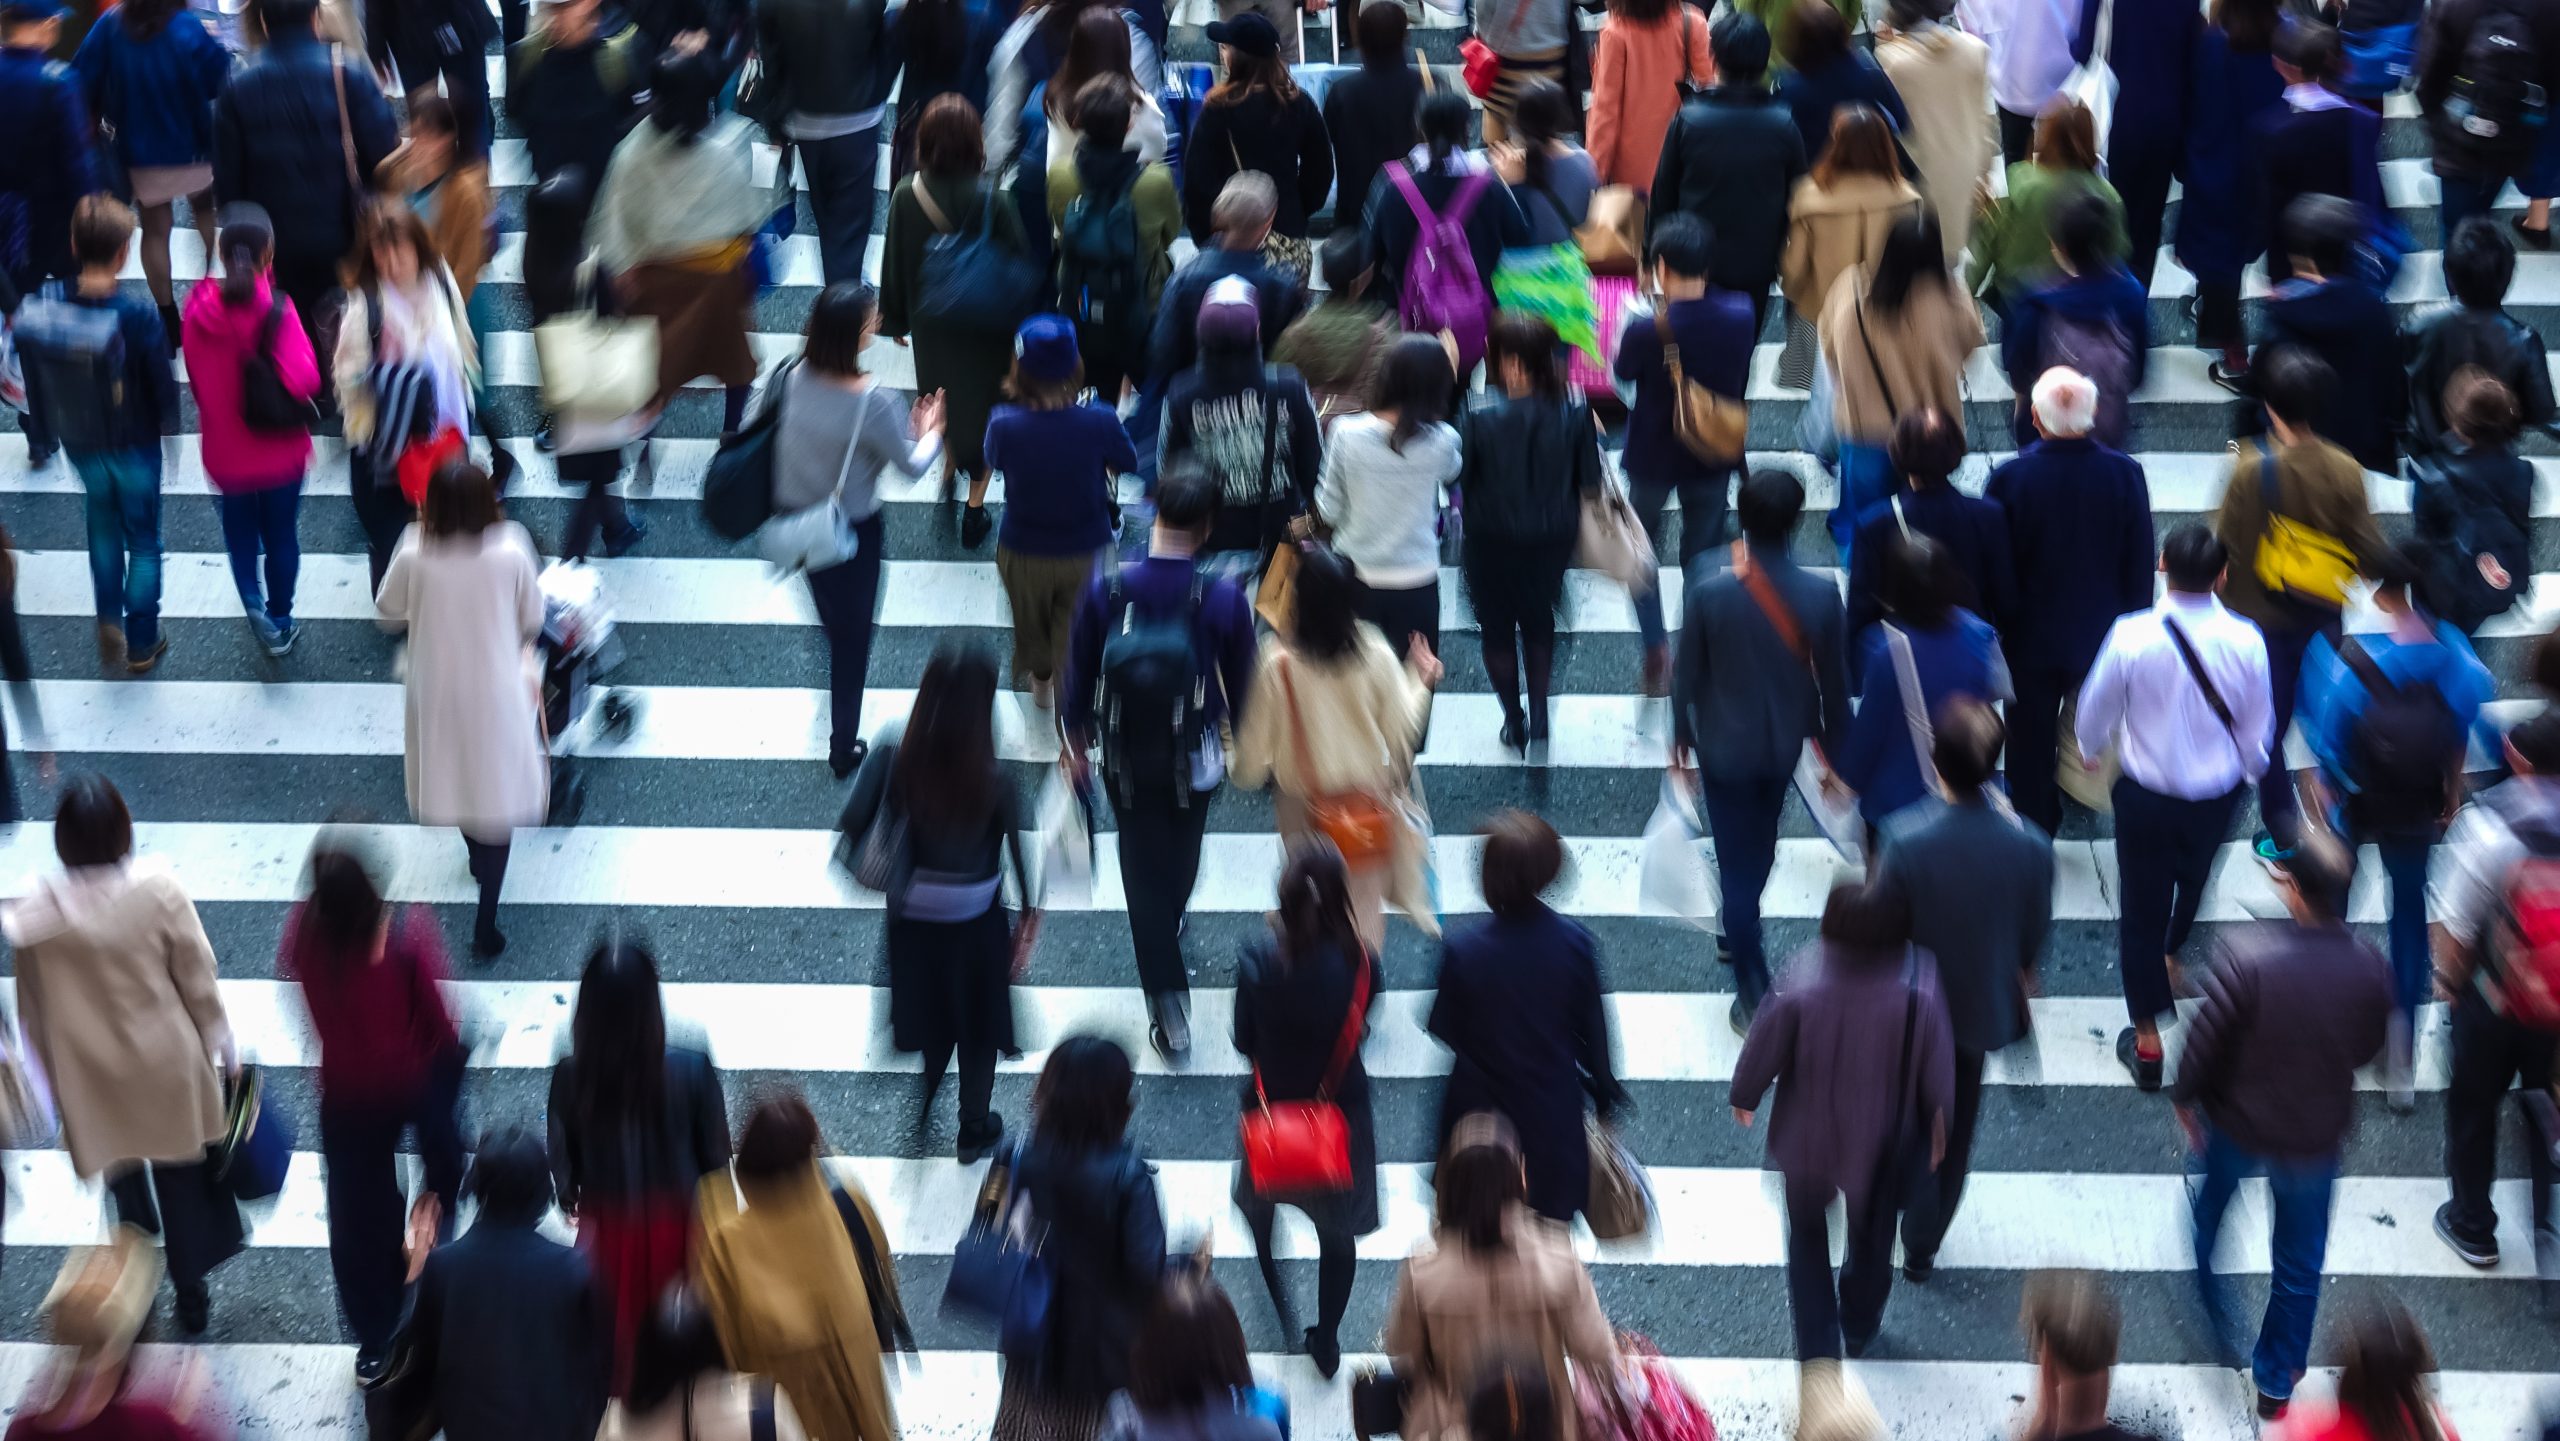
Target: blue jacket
[[1715, 337], [1223, 644], [45, 166], [1058, 476], [2333, 696], [268, 148], [1975, 533], [2348, 324], [2080, 536], [1854, 78], [507, 1323], [1880, 760], [2217, 236], [150, 408], [2115, 295], [2151, 52], [157, 93]]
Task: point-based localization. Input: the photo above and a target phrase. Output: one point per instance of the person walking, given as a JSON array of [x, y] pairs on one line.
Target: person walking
[[1494, 1283], [97, 1309], [1098, 1198], [2182, 691], [1529, 460], [1521, 1005], [1454, 184], [1258, 108], [2472, 520], [947, 46], [255, 467], [1896, 336], [1061, 459], [1925, 650], [683, 1387], [839, 437], [2383, 1389], [1189, 1376], [576, 84], [1101, 46], [449, 188], [119, 1004], [1927, 449], [2474, 331], [1249, 426], [947, 195], [1838, 220], [783, 1278], [1858, 1043], [1762, 674], [1532, 41], [1304, 992], [1712, 329], [2266, 1086], [1373, 114], [1943, 75], [405, 371], [1125, 214], [2149, 49], [1339, 725], [462, 587], [1650, 55], [1978, 882], [1160, 784], [2477, 143], [1338, 346], [1241, 217], [151, 72], [1825, 74], [635, 1125], [2073, 1326], [391, 1065], [2093, 318], [2317, 143], [1733, 160], [2231, 86], [1385, 480], [831, 68], [438, 50], [44, 178], [2016, 253], [2330, 307], [1551, 180], [2080, 541], [953, 950]]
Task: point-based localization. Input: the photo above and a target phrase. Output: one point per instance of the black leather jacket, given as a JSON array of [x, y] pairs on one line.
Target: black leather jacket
[[2436, 343], [1525, 467]]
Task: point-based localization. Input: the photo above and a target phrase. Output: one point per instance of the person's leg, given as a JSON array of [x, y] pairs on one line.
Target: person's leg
[[2224, 1167], [2141, 173], [2459, 198], [2017, 135], [359, 1166], [200, 1228], [489, 868], [936, 1057], [1648, 498], [598, 508], [1742, 816], [841, 193], [2218, 323], [2278, 812], [1702, 515], [2299, 1244], [846, 595], [1150, 853], [157, 222], [1866, 477], [381, 510], [2196, 832], [280, 532], [2474, 1095], [466, 86], [134, 1204], [1538, 665], [438, 1124], [977, 1086], [2404, 863], [138, 498], [2146, 892], [200, 214], [1258, 1218], [1498, 633], [1866, 1265], [1933, 1209], [2034, 736], [1810, 1293], [1337, 1263], [106, 541], [242, 539]]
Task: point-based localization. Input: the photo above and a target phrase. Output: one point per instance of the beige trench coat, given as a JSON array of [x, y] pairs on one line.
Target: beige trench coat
[[471, 606], [116, 992], [1833, 231], [1943, 76], [1456, 1310]]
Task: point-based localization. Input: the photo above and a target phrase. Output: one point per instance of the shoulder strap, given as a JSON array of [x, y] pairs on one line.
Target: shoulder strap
[[2366, 668], [1764, 593], [1400, 175], [2204, 681], [932, 213], [1346, 1045], [1270, 433], [269, 325], [1901, 520], [1297, 724], [2270, 486], [1463, 203], [1892, 409], [346, 130], [1915, 704]]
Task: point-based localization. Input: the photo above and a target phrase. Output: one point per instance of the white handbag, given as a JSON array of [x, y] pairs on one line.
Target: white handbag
[[818, 536], [2094, 84], [597, 368]]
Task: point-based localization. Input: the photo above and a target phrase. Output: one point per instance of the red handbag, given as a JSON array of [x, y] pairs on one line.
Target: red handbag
[[1479, 67], [1303, 1148]]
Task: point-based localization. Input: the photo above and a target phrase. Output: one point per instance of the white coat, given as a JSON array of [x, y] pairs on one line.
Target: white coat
[[471, 606]]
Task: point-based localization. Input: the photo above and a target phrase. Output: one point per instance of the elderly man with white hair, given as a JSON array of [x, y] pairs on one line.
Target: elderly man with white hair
[[2080, 532]]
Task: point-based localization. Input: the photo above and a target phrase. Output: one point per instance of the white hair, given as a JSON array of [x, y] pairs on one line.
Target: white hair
[[2066, 403]]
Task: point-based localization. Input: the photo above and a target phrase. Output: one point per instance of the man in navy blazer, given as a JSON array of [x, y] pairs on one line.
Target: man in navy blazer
[[2080, 536]]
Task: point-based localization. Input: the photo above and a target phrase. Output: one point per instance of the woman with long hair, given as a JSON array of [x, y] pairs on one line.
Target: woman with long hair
[[947, 195], [1099, 48], [1895, 335], [1258, 119], [635, 1125], [2231, 86], [256, 470], [150, 71], [463, 587], [1338, 721], [1096, 160], [1551, 180], [1061, 457], [1104, 1218], [1530, 456], [1837, 220], [372, 977], [447, 187], [2015, 252], [1304, 991], [1189, 1376], [1495, 1283], [953, 949], [405, 370], [1385, 477], [2383, 1392]]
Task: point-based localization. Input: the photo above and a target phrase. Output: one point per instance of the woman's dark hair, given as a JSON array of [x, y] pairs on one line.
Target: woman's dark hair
[[1513, 1402], [1083, 1099], [1247, 72], [832, 340], [1476, 1188], [1383, 31], [1097, 49], [1863, 916], [935, 35], [2384, 1383], [1446, 120], [1915, 253], [145, 19], [946, 781], [1523, 855], [1910, 14], [682, 91], [1328, 606], [1861, 141], [1315, 902], [617, 1043], [1926, 448], [247, 242], [950, 143], [460, 500], [1103, 109], [1540, 116], [677, 1343], [346, 908], [2066, 136], [1642, 12], [1416, 382], [91, 826], [510, 1177], [1189, 1350], [1920, 581], [1346, 257], [1530, 340], [2248, 26], [2481, 408], [1816, 35], [780, 1137]]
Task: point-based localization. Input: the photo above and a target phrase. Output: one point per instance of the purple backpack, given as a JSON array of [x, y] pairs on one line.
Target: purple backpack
[[1442, 291]]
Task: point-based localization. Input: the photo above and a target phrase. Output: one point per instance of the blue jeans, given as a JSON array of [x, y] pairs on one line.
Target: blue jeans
[[1742, 815], [2298, 1245], [256, 520], [1866, 477], [124, 540], [2404, 867], [1702, 528]]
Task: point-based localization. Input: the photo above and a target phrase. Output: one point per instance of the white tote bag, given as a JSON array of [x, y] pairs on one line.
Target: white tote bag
[[1064, 823], [594, 368], [1674, 876], [2094, 84]]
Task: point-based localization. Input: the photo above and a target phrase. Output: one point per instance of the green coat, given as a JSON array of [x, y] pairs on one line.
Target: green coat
[[969, 370], [1773, 14], [1159, 208], [2013, 240]]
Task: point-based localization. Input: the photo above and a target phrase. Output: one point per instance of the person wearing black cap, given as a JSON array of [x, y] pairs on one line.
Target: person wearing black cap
[[1258, 119], [1732, 158], [47, 166], [1287, 19]]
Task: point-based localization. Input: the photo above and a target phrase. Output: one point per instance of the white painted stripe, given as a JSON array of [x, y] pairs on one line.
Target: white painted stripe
[[2409, 184]]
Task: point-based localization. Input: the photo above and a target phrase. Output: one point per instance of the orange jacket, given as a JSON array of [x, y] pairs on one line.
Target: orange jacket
[[1635, 90]]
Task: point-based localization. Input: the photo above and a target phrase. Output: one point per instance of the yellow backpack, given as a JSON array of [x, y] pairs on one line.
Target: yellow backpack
[[2296, 559]]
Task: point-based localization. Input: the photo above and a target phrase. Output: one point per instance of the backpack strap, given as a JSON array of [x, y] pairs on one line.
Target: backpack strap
[[1462, 205], [1270, 433], [2355, 657], [1400, 174], [2270, 483]]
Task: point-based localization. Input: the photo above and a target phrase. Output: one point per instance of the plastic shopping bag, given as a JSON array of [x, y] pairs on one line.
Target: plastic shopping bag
[[1064, 824], [1673, 876], [1836, 816]]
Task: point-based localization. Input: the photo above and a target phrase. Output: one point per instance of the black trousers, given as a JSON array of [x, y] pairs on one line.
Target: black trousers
[[1337, 1263], [198, 1222], [489, 868], [846, 597], [599, 509], [1827, 1308], [2141, 177], [312, 284], [2164, 854], [2035, 732], [2017, 135], [1403, 613], [1935, 1196], [2491, 1053], [381, 510], [1159, 862], [368, 1209]]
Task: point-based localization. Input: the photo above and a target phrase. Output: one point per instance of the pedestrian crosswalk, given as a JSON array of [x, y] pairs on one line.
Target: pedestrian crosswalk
[[709, 833]]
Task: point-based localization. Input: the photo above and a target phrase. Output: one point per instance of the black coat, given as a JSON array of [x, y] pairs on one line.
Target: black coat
[[2473, 502], [1732, 159], [830, 58], [689, 1141], [1374, 116], [1105, 1226], [2436, 343], [574, 103], [1520, 1003], [276, 144], [2349, 325], [1288, 1023], [2312, 152], [2442, 37], [1258, 132], [509, 1324], [1525, 466]]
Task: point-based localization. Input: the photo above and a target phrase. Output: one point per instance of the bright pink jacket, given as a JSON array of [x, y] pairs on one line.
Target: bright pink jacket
[[216, 337]]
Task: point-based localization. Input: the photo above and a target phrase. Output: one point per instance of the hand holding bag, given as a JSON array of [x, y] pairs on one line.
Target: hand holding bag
[[1359, 824], [1673, 877], [257, 1141], [1303, 1148], [998, 1272]]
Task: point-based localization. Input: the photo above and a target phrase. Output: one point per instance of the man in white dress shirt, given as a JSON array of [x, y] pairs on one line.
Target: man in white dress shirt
[[2181, 690]]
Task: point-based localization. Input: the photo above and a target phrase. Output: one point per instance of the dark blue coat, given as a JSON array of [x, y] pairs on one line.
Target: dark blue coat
[[1715, 337], [2228, 91], [2079, 519], [158, 93], [1105, 1226], [1879, 760], [2312, 152], [149, 406], [2116, 295], [509, 1324], [1854, 78], [46, 164], [276, 144], [1975, 533], [2348, 324], [2152, 53]]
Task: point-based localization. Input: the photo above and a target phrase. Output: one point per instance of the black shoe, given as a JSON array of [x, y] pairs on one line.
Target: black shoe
[[2235, 381], [195, 1307], [370, 1365], [1515, 733], [2530, 236], [2473, 1253], [977, 1141], [1538, 727], [39, 459], [487, 941], [1918, 1269], [845, 762], [2272, 1408], [1857, 1346], [169, 322], [140, 662], [2146, 1073], [543, 439], [1325, 1349], [631, 537], [1170, 1032], [975, 526]]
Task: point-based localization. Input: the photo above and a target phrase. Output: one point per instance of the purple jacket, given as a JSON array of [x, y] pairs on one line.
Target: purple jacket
[[1829, 1036]]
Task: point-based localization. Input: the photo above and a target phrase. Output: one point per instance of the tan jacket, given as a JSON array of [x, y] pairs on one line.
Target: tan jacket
[[1919, 354], [1943, 76], [2318, 485], [785, 1292], [1833, 230], [1456, 1310], [116, 991], [461, 228]]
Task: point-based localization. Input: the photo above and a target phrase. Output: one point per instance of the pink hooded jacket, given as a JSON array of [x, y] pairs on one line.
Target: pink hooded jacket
[[216, 337]]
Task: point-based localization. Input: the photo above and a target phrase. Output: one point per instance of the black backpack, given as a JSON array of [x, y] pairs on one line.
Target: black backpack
[[2404, 753], [74, 358], [1101, 284], [265, 403], [2498, 101], [1149, 700]]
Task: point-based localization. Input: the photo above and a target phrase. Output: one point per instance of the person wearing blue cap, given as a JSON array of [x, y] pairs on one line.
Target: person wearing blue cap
[[1061, 455], [47, 166]]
